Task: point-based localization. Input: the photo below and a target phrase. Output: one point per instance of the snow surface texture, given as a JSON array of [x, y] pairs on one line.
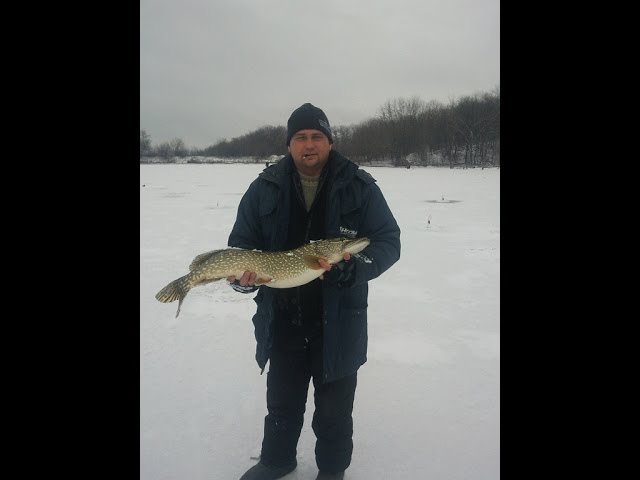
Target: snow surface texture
[[427, 402]]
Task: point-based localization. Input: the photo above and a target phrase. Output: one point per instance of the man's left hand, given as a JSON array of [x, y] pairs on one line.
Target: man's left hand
[[327, 266]]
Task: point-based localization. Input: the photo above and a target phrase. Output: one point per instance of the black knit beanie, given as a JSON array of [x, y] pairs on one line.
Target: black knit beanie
[[308, 117]]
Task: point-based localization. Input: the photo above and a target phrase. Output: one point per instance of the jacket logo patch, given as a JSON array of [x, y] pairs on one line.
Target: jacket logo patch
[[363, 257], [347, 232]]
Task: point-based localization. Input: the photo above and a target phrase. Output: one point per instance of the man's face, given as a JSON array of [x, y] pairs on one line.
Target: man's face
[[310, 151]]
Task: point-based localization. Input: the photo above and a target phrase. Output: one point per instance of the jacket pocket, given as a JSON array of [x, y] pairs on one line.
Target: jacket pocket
[[353, 322]]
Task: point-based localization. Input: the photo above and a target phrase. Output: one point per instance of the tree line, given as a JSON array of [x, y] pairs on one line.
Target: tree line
[[405, 131]]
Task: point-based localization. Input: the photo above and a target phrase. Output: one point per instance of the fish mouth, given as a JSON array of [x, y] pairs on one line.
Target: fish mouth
[[356, 245]]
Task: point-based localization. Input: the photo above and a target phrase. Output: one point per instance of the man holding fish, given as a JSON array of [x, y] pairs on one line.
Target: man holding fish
[[317, 330]]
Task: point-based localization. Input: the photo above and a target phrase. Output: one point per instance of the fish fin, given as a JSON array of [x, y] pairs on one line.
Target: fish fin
[[202, 258], [312, 262], [263, 280]]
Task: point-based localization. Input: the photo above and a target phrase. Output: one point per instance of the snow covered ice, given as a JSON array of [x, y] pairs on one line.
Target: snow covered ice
[[427, 403]]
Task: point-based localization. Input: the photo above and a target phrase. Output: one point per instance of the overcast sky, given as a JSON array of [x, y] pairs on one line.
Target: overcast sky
[[214, 69]]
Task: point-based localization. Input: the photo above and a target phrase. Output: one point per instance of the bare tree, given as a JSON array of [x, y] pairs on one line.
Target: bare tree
[[145, 143], [474, 122], [177, 147], [401, 117], [164, 150], [369, 141]]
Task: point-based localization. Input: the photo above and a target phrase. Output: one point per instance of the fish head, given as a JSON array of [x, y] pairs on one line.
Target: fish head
[[334, 248]]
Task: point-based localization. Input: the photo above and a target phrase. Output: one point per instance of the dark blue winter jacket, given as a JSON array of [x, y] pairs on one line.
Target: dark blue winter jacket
[[355, 208]]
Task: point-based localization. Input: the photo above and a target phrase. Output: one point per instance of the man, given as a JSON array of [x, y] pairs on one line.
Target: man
[[317, 330]]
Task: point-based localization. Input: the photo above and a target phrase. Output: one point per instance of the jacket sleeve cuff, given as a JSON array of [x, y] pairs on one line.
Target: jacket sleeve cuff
[[246, 289]]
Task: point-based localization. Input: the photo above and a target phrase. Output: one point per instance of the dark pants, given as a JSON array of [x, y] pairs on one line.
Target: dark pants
[[294, 360]]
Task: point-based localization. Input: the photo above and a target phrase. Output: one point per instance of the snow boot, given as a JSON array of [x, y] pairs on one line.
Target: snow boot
[[260, 471], [330, 476]]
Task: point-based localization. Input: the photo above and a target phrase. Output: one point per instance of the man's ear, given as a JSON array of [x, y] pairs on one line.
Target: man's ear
[[288, 149]]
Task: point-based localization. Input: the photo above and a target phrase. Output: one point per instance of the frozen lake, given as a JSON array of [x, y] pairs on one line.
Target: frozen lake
[[428, 399]]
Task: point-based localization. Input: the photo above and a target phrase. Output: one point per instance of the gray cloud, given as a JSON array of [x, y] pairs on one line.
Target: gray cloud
[[219, 69]]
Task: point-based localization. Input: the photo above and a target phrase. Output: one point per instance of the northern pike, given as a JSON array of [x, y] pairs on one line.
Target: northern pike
[[285, 269]]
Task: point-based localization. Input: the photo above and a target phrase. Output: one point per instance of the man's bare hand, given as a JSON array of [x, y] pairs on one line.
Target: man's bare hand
[[327, 266], [248, 278]]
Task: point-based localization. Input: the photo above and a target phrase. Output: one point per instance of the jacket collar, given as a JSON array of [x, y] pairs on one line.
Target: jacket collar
[[281, 171]]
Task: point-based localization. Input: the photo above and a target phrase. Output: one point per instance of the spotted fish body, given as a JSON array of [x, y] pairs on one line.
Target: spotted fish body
[[284, 269]]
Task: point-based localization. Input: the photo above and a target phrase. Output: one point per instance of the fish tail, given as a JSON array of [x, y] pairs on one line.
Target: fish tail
[[176, 290]]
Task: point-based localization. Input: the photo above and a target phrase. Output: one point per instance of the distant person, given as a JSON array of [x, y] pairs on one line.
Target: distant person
[[317, 330]]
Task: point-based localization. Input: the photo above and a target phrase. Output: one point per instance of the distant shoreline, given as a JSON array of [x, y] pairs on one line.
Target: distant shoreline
[[198, 160]]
